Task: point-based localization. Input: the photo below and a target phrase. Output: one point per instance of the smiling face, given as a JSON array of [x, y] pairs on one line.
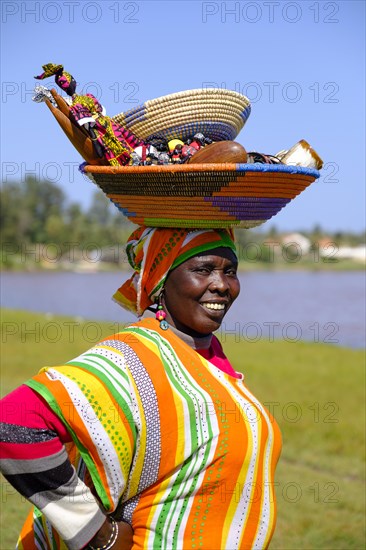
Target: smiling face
[[199, 292]]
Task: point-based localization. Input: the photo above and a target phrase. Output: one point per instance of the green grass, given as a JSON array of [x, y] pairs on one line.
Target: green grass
[[317, 394]]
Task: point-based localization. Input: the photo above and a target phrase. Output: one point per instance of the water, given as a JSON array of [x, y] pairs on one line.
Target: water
[[314, 306]]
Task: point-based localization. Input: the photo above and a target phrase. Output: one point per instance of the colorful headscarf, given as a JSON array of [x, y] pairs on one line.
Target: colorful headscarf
[[153, 252]]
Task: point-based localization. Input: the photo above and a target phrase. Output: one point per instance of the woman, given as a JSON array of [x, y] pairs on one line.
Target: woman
[[152, 428]]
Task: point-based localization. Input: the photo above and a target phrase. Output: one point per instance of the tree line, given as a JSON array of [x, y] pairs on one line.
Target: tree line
[[36, 211]]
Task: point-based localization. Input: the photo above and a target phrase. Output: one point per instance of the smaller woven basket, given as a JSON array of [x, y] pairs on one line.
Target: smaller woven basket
[[202, 195], [217, 113]]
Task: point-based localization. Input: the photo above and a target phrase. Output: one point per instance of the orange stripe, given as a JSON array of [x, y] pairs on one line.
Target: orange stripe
[[167, 169], [26, 537]]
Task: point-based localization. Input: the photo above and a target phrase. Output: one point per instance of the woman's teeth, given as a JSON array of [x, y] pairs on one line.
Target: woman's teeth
[[213, 306]]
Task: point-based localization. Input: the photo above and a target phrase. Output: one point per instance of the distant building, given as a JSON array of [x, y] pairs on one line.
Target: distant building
[[297, 239], [357, 253], [329, 249]]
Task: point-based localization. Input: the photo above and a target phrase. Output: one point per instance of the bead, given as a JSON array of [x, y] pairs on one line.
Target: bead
[[164, 325], [160, 315]]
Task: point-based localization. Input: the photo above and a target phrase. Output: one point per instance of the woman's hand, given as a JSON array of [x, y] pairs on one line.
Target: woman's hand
[[104, 536], [125, 535]]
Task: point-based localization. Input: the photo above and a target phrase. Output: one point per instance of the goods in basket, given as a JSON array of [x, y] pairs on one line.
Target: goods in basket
[[174, 162], [196, 118], [221, 151], [301, 154]]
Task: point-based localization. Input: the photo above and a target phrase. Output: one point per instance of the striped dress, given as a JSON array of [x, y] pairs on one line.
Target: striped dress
[[179, 449]]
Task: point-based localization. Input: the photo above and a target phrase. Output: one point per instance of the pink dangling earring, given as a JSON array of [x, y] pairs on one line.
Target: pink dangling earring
[[160, 314]]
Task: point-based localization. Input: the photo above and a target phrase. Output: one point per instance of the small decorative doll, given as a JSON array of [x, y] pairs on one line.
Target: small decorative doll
[[111, 140]]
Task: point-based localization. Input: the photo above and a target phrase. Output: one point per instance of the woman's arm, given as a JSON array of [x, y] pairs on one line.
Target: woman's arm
[[34, 460]]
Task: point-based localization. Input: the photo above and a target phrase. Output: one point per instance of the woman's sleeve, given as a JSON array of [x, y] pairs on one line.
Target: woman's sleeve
[[35, 462]]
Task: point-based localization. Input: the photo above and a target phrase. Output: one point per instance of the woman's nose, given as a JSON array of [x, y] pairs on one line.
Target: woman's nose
[[219, 282]]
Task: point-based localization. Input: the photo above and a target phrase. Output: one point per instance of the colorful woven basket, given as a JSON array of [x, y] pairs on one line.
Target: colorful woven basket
[[202, 195], [217, 113]]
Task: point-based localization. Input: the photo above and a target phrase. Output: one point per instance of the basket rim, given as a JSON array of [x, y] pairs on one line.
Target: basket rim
[[207, 167]]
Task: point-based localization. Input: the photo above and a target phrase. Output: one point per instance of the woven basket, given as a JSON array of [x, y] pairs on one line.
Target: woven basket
[[216, 113], [202, 195]]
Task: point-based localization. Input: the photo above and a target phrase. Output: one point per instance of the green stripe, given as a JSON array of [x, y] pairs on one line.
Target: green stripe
[[225, 242], [39, 541], [158, 287], [189, 223]]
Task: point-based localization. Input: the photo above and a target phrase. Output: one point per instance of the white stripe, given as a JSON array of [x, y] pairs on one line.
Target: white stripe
[[265, 523], [49, 530], [142, 269], [71, 514]]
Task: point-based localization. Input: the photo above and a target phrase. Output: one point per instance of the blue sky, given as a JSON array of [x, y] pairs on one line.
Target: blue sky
[[301, 63]]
